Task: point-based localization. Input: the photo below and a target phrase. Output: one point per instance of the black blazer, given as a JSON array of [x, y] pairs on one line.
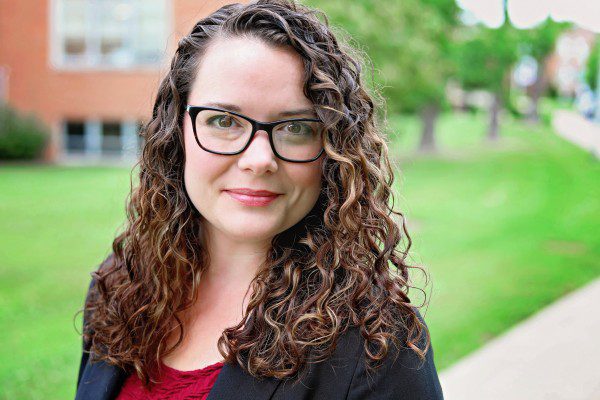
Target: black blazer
[[342, 376]]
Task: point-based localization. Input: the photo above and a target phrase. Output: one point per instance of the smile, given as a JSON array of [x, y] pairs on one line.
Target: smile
[[251, 200]]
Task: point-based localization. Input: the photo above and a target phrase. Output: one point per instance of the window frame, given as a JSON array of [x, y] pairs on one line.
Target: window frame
[[59, 60]]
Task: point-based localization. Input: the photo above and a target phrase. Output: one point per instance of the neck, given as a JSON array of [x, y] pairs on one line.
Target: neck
[[233, 262]]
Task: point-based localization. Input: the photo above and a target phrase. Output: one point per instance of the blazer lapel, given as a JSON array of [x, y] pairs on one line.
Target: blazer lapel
[[100, 381], [233, 383]]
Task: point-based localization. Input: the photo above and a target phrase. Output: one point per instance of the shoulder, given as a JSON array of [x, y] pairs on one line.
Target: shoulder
[[104, 265], [87, 330], [92, 293], [403, 374]]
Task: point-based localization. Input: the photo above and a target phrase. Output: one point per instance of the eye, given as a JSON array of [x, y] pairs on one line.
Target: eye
[[298, 128], [223, 121]]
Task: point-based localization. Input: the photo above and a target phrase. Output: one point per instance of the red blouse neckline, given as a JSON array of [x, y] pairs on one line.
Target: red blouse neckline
[[201, 371], [173, 383]]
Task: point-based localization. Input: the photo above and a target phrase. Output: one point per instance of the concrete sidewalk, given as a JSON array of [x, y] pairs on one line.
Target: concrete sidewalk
[[578, 130], [553, 355]]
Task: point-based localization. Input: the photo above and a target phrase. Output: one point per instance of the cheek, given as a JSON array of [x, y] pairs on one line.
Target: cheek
[[192, 157], [200, 169], [189, 140], [197, 161], [308, 176]]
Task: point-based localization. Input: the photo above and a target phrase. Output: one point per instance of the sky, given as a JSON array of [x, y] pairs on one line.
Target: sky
[[528, 13]]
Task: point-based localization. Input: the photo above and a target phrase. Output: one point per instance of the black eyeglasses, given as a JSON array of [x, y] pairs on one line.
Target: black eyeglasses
[[225, 132]]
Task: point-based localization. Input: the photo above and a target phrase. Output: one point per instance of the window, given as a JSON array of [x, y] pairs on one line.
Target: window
[[108, 33], [111, 138], [75, 137]]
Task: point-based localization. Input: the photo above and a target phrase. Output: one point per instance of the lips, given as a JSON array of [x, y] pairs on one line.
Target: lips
[[249, 197], [250, 192]]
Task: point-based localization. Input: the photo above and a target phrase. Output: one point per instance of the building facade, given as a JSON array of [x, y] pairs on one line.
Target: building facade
[[89, 69]]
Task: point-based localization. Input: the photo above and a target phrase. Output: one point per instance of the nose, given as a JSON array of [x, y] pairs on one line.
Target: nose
[[259, 157]]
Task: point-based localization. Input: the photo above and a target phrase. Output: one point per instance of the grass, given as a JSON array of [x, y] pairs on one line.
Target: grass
[[503, 231], [56, 224]]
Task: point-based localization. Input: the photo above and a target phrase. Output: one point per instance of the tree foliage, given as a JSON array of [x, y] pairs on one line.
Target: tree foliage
[[592, 68], [407, 41], [484, 57], [540, 40]]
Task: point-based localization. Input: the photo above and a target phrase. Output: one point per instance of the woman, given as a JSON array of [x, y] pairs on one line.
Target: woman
[[259, 260]]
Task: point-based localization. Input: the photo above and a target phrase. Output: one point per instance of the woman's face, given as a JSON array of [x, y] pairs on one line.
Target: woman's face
[[262, 82]]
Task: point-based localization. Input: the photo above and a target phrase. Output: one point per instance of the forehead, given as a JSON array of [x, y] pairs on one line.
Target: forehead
[[249, 73]]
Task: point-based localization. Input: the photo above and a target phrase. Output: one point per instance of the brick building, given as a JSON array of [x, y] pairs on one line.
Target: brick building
[[89, 69]]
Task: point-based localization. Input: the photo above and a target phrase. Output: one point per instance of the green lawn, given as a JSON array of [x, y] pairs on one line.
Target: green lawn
[[503, 231]]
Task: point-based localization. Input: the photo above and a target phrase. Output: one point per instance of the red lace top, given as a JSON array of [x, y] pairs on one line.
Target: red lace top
[[175, 384]]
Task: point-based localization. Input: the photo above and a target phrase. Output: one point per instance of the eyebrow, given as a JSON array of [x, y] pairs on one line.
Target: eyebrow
[[290, 113]]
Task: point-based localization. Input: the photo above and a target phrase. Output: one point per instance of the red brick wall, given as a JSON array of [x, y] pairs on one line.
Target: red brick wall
[[56, 95]]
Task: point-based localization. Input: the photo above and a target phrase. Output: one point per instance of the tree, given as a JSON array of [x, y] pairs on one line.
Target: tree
[[592, 68], [539, 42], [484, 58], [409, 42], [592, 74]]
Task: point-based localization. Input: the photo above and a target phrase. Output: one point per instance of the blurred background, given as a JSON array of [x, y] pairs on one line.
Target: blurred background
[[493, 123]]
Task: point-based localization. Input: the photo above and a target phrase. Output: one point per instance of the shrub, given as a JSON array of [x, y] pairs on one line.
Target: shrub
[[22, 137]]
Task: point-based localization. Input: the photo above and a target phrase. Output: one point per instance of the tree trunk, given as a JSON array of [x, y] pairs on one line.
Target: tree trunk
[[537, 89], [429, 116], [494, 127]]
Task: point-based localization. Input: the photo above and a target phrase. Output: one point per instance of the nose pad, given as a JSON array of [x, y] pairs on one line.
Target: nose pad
[[261, 136]]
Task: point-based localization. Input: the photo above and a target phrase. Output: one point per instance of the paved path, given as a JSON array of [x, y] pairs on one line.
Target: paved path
[[578, 130], [553, 355]]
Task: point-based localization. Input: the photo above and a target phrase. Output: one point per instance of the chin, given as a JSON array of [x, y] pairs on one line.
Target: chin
[[253, 232]]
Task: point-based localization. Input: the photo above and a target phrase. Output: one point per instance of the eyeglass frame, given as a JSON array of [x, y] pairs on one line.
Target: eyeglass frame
[[193, 111]]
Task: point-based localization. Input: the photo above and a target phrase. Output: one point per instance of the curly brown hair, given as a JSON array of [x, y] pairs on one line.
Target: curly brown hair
[[338, 267]]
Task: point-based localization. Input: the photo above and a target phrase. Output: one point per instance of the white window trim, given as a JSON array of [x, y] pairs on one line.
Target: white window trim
[[57, 62], [131, 141]]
